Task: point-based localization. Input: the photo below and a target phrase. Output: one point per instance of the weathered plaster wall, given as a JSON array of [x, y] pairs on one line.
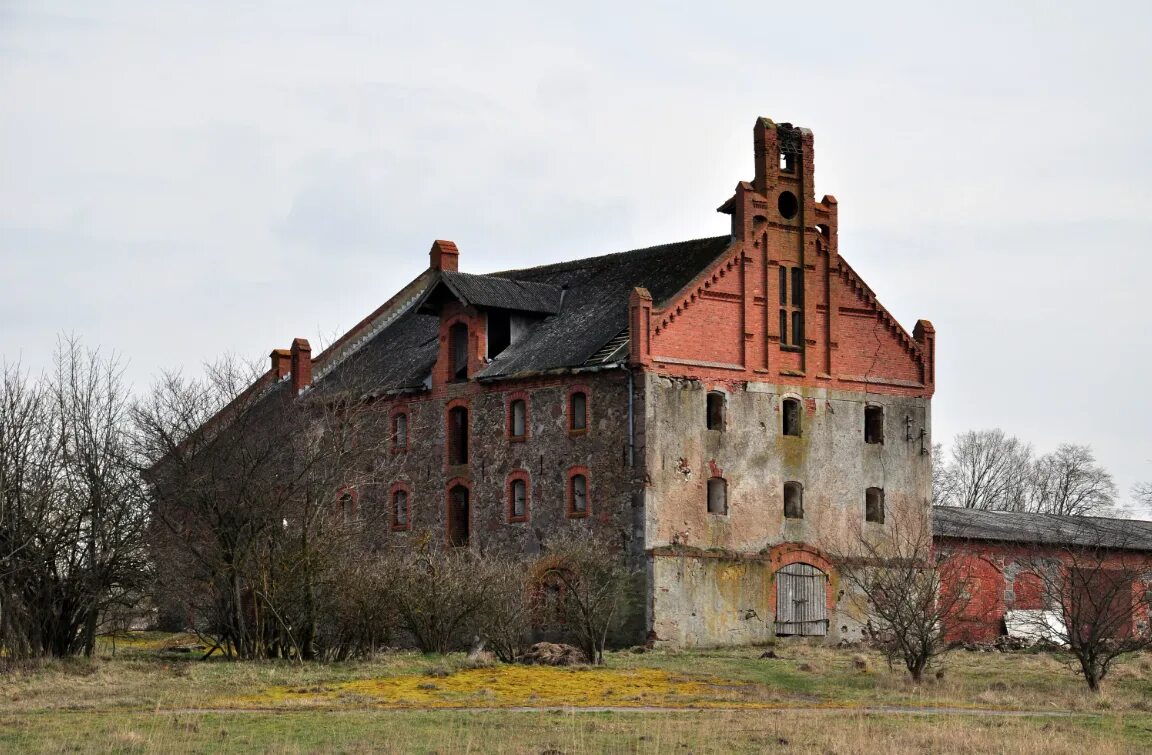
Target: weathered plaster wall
[[697, 604]]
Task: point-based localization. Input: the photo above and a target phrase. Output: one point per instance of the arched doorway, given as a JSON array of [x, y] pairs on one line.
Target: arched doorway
[[458, 517], [801, 601]]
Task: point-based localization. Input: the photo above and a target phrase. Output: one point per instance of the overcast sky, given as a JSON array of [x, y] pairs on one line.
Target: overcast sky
[[180, 180]]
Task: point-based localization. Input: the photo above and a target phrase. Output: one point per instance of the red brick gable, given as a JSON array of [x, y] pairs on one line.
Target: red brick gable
[[782, 305]]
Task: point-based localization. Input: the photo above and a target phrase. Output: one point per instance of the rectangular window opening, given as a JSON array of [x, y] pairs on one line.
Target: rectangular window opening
[[715, 420]]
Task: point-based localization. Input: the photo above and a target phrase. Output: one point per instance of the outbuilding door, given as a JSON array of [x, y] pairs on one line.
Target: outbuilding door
[[801, 604]]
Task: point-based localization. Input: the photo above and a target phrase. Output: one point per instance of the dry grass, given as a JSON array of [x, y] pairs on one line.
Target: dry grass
[[145, 700]]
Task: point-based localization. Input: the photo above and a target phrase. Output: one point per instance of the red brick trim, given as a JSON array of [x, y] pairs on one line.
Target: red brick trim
[[392, 415], [456, 482], [398, 526], [569, 493], [517, 396], [519, 474], [587, 391], [801, 553], [456, 403]]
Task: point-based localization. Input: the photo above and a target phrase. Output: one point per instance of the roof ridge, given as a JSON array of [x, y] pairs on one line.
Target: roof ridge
[[1074, 517], [580, 262]]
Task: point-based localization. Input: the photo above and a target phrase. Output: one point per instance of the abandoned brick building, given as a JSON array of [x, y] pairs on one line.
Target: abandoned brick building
[[731, 407], [1002, 557]]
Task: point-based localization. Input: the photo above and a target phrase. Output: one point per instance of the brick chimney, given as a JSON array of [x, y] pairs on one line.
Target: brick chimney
[[444, 256], [281, 362], [301, 359]]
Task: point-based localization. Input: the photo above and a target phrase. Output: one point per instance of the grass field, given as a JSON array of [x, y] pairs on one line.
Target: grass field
[[811, 699]]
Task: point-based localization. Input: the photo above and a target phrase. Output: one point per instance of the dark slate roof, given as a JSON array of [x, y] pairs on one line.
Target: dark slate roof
[[1047, 529], [591, 309], [595, 308], [491, 291]]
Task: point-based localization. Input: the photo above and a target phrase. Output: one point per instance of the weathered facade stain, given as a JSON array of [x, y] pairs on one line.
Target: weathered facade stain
[[766, 315]]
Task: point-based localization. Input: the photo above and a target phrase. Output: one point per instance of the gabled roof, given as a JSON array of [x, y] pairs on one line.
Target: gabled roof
[[488, 291], [585, 302], [1046, 529]]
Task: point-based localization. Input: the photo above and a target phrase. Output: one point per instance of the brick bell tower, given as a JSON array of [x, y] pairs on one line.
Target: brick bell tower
[[792, 239]]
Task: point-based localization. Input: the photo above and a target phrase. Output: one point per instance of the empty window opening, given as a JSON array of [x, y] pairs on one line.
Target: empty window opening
[[578, 411], [458, 516], [874, 505], [517, 418], [791, 416], [499, 331], [873, 424], [715, 410], [347, 507], [791, 306], [578, 495], [458, 346], [787, 162], [458, 435], [717, 496], [400, 509], [518, 499], [793, 500], [788, 205], [400, 431]]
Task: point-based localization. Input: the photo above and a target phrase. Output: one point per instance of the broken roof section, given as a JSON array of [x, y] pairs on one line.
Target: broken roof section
[[583, 305], [1047, 529], [490, 292]]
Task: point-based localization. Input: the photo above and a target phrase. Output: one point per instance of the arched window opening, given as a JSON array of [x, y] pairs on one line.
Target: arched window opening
[[874, 505], [400, 510], [791, 416], [578, 495], [873, 424], [458, 435], [715, 419], [458, 350], [717, 496], [517, 420], [400, 431], [518, 500], [793, 500], [578, 411], [458, 517]]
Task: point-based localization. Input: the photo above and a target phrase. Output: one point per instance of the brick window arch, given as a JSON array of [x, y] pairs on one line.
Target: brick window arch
[[458, 516], [519, 492], [399, 429], [579, 492], [347, 507], [457, 432], [400, 505], [579, 409], [517, 426]]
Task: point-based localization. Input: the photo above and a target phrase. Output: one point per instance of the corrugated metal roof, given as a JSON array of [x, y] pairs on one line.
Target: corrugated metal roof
[[1048, 529]]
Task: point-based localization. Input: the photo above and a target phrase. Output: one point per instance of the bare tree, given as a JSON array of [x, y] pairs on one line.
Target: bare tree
[[72, 516], [1096, 593], [912, 595], [988, 470], [1069, 482], [1142, 493], [255, 492], [596, 584]]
